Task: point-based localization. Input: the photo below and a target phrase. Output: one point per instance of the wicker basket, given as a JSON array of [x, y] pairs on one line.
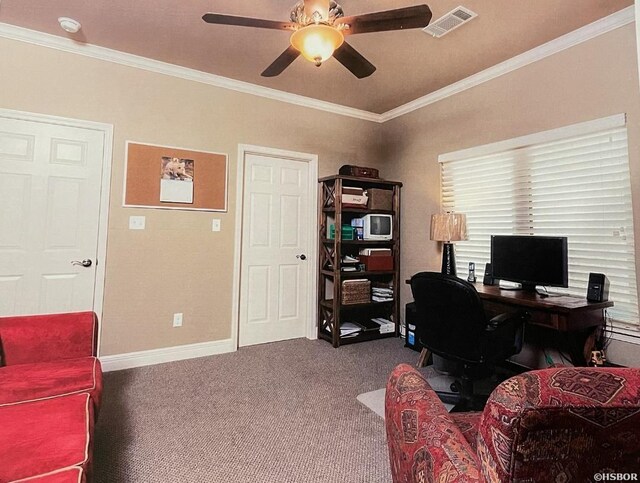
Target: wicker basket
[[356, 292], [380, 199]]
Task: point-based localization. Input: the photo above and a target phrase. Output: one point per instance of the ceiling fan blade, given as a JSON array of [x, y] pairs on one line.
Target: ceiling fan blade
[[399, 19], [219, 18], [354, 61], [281, 63]]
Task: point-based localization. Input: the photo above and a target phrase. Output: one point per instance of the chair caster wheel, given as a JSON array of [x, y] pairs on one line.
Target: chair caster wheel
[[455, 387]]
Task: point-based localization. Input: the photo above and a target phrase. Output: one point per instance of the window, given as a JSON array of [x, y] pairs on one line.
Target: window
[[571, 182]]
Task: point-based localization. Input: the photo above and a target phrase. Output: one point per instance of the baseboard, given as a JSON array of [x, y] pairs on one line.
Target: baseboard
[[166, 354]]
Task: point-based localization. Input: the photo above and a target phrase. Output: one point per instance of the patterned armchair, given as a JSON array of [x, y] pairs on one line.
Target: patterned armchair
[[552, 425]]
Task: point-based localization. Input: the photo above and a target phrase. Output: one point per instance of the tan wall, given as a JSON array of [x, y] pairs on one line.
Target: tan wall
[[593, 80], [177, 264]]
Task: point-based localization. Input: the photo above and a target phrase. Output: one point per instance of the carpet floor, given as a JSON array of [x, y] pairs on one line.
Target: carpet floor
[[284, 412]]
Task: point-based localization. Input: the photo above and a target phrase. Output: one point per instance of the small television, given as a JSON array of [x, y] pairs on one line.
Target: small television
[[377, 227], [530, 260]]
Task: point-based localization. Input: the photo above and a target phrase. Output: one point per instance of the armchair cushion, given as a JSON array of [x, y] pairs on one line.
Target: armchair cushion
[[44, 436], [32, 382], [468, 424], [425, 443], [43, 338], [558, 424], [562, 424], [68, 475]]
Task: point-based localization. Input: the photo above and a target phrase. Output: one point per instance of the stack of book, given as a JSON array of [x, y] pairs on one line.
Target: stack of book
[[386, 326], [354, 328], [382, 294], [349, 329]]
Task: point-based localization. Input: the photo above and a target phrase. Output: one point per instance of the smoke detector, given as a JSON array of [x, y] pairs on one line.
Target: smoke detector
[[451, 21], [69, 25]]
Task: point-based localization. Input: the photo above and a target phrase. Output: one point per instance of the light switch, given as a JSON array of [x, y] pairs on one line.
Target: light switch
[[137, 222], [215, 224]]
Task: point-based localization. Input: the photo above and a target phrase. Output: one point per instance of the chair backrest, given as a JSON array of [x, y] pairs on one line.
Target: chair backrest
[[562, 424], [450, 317]]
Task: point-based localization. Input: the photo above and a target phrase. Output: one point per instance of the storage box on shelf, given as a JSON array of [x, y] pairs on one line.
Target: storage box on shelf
[[376, 263], [358, 295], [380, 199], [356, 292]]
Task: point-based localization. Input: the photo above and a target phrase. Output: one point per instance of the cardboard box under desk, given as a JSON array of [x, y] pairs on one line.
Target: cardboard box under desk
[[377, 263]]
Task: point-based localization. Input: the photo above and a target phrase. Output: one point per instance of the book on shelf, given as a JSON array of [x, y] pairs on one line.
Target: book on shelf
[[368, 325], [349, 329], [385, 325], [377, 298], [349, 268], [376, 252]]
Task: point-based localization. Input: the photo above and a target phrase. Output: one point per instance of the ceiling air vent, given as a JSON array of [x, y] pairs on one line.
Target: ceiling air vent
[[450, 21]]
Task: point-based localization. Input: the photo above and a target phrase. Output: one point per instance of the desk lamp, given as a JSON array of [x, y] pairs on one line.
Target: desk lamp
[[447, 228]]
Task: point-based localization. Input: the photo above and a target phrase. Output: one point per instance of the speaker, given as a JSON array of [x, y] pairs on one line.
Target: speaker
[[488, 275], [598, 288]]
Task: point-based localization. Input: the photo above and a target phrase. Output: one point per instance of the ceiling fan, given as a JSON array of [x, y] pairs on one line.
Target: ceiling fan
[[318, 29]]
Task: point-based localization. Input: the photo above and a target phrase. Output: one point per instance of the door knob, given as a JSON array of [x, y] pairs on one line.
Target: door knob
[[85, 263], [301, 257]]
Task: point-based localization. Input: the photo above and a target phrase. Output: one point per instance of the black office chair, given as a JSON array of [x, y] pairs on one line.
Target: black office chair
[[452, 324]]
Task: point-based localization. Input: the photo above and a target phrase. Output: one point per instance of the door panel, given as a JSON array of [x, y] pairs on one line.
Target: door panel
[[288, 298], [50, 190], [274, 281]]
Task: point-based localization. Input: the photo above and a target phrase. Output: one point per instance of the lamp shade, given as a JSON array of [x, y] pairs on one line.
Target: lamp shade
[[317, 42], [448, 227]]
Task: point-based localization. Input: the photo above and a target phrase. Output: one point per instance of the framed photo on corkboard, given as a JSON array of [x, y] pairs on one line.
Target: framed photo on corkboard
[[175, 178]]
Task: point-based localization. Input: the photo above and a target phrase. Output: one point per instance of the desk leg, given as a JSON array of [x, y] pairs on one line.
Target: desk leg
[[581, 343], [424, 357]]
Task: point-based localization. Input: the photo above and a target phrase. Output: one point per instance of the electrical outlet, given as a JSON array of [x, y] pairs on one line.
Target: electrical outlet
[[177, 320], [136, 222], [215, 224]]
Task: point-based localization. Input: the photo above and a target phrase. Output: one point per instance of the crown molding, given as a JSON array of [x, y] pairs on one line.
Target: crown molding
[[130, 60], [583, 34]]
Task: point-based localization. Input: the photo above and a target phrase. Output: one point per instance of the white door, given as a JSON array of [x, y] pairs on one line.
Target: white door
[[50, 192], [275, 259]]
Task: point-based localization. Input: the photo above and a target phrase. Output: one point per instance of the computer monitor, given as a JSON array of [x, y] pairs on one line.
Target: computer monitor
[[530, 260]]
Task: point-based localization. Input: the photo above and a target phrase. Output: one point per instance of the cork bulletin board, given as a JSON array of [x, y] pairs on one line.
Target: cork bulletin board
[[175, 178]]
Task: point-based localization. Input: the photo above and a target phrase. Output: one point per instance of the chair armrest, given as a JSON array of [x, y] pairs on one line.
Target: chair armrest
[[44, 338], [505, 328], [424, 442], [503, 319]]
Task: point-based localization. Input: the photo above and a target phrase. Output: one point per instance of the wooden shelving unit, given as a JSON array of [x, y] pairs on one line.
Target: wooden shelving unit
[[331, 312]]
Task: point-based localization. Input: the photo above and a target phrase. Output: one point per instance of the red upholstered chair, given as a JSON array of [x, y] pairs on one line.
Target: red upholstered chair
[[560, 424], [50, 388], [46, 356]]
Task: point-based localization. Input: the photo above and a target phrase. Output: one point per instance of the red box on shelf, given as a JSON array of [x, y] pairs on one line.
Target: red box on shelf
[[377, 263]]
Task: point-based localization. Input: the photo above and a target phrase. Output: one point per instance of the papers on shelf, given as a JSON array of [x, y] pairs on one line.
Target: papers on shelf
[[348, 329], [352, 329], [381, 294]]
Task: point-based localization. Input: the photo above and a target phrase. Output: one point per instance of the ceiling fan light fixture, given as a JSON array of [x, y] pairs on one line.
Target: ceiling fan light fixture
[[317, 42], [317, 10]]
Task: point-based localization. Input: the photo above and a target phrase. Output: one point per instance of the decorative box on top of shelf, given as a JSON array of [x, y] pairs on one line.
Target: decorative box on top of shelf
[[383, 306]]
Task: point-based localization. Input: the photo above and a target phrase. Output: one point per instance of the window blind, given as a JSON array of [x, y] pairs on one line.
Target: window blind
[[576, 186]]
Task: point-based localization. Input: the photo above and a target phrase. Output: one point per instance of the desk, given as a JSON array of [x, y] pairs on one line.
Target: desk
[[576, 316]]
